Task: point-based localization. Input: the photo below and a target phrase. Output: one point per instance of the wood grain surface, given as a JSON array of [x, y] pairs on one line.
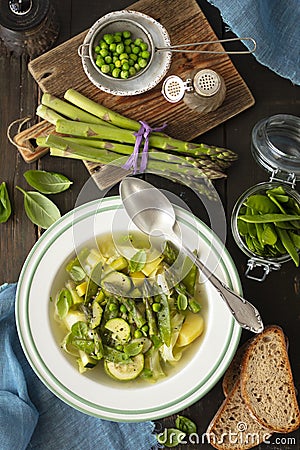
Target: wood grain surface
[[61, 68]]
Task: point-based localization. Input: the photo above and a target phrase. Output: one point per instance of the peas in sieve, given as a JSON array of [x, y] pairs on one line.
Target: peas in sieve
[[121, 55]]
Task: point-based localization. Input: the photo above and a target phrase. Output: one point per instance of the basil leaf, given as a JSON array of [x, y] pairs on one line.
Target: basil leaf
[[63, 304], [171, 437], [186, 425], [5, 206], [47, 182], [138, 261], [39, 209]]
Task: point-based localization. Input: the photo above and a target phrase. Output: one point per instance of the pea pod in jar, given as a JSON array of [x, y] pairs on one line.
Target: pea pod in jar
[[266, 224]]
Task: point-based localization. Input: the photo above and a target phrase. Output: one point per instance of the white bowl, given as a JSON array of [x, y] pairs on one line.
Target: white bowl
[[153, 33], [94, 393]]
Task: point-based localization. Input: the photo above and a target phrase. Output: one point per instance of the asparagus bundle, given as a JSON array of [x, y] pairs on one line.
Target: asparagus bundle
[[89, 131]]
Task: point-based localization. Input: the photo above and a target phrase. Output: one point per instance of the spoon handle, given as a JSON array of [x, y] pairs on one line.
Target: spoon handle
[[244, 312]]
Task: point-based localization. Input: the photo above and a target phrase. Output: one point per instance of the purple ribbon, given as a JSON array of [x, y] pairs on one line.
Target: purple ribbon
[[143, 133]]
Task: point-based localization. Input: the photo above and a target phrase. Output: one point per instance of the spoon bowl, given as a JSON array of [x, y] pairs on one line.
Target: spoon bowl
[[152, 212]]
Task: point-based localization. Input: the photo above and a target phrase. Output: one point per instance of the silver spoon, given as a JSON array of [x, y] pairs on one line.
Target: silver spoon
[[152, 213]]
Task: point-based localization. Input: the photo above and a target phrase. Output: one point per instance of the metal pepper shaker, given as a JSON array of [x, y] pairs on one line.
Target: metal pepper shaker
[[203, 92]]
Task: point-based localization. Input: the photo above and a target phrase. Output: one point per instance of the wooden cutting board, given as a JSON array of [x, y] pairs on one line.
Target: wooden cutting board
[[60, 69]]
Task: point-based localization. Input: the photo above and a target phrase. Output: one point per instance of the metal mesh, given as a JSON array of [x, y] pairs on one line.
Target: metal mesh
[[207, 82], [173, 89]]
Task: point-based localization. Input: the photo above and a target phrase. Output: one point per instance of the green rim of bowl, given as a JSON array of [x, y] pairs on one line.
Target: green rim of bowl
[[48, 378]]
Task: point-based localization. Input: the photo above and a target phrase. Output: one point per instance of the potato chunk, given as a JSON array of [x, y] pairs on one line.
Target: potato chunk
[[192, 328]]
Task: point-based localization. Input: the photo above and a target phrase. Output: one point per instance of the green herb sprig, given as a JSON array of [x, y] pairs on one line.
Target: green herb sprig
[[5, 205]]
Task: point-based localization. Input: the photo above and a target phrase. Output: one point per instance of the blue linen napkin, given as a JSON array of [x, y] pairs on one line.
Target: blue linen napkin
[[274, 24], [31, 417]]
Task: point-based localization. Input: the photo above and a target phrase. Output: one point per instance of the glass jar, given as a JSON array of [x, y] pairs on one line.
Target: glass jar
[[276, 147]]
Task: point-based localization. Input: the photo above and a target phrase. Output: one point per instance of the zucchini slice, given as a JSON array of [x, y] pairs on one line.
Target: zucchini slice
[[125, 372], [116, 281], [120, 329]]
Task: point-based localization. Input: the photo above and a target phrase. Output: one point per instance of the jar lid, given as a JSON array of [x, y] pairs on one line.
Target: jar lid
[[276, 144]]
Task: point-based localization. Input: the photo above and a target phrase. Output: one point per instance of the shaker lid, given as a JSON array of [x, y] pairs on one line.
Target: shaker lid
[[276, 144], [206, 82]]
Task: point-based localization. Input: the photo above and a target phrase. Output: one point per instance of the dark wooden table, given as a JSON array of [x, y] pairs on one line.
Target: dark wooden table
[[278, 298]]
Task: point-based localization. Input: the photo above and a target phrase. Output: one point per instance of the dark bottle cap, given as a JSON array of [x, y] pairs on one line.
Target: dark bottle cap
[[22, 15]]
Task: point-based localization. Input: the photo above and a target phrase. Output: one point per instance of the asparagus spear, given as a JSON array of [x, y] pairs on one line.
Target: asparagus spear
[[209, 167], [103, 156], [48, 114], [101, 111], [94, 131], [70, 111]]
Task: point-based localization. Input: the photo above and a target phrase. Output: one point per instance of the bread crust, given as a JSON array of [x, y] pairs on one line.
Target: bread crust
[[274, 380], [233, 372], [234, 427]]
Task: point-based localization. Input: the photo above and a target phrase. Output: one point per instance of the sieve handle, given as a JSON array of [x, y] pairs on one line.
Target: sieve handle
[[80, 50], [180, 47]]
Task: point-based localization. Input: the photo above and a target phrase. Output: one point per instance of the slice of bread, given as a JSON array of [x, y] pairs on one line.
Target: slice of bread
[[234, 427], [233, 372], [266, 382], [234, 369]]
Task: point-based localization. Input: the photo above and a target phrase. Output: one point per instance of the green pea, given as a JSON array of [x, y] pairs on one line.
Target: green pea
[[125, 66], [97, 49], [104, 45], [112, 66], [124, 74], [108, 59], [123, 56], [128, 42], [100, 62], [113, 47], [137, 67], [142, 63], [127, 49], [117, 37], [144, 46], [136, 50], [145, 54], [108, 38], [133, 56], [126, 34], [104, 52], [112, 307], [118, 63], [123, 308], [138, 41], [138, 334], [120, 48], [156, 307], [132, 71]]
